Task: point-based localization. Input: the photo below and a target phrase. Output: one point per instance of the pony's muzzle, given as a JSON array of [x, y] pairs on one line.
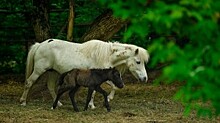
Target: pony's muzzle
[[144, 79]]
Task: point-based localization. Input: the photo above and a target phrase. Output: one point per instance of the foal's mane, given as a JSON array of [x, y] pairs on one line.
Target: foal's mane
[[102, 72]]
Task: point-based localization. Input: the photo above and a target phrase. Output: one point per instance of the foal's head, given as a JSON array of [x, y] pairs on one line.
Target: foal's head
[[114, 76]]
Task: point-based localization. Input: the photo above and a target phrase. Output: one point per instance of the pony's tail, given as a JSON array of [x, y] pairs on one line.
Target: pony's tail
[[30, 60]]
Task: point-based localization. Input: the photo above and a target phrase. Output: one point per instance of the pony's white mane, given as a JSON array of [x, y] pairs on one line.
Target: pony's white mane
[[143, 53], [101, 51], [97, 50]]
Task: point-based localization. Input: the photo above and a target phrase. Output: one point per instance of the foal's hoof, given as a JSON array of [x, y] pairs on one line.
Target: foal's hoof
[[108, 110], [76, 110]]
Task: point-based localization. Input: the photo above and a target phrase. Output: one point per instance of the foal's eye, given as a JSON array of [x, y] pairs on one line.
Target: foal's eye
[[138, 62], [117, 74]]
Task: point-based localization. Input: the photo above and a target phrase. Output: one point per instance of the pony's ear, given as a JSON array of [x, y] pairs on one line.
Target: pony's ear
[[136, 51]]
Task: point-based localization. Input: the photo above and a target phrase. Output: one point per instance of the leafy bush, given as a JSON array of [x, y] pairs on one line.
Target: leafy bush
[[12, 59], [197, 62]]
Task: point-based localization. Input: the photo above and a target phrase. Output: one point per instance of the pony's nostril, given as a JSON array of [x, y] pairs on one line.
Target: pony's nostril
[[144, 79]]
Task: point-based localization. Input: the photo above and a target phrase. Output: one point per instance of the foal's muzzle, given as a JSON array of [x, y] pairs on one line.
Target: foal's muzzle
[[121, 86]]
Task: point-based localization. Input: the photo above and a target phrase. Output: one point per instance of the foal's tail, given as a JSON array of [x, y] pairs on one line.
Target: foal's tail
[[30, 60]]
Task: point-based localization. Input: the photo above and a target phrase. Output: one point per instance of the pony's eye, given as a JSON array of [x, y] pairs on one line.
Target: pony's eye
[[138, 62]]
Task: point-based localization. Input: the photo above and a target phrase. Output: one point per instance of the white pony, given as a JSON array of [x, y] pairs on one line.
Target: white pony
[[63, 56]]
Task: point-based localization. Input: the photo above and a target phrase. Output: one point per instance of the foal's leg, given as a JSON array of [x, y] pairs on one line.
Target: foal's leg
[[72, 97], [59, 94], [104, 93], [91, 103], [89, 96], [28, 84]]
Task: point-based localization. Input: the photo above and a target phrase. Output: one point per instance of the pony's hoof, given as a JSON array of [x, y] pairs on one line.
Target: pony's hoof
[[92, 106], [23, 104], [110, 98], [22, 101], [59, 103]]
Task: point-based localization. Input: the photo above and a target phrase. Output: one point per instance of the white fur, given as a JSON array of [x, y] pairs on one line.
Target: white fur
[[63, 56]]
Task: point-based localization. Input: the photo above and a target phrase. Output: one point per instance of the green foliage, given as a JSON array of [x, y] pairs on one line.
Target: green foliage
[[196, 63], [12, 59], [16, 28], [12, 53]]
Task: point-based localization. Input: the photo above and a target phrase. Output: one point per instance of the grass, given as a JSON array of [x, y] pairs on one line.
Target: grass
[[143, 103]]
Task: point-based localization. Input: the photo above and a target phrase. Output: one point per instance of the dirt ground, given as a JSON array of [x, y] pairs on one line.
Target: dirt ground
[[136, 102]]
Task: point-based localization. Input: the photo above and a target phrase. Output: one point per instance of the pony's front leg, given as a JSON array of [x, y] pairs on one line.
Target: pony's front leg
[[112, 93], [91, 103]]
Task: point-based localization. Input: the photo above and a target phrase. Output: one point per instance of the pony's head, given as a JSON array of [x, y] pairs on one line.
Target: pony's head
[[136, 64], [132, 57]]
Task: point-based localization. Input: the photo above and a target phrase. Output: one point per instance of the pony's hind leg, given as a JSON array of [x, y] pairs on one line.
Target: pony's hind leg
[[28, 84], [52, 85]]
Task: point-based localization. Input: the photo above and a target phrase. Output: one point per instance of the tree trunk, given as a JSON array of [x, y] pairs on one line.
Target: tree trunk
[[70, 21], [103, 27], [40, 20]]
